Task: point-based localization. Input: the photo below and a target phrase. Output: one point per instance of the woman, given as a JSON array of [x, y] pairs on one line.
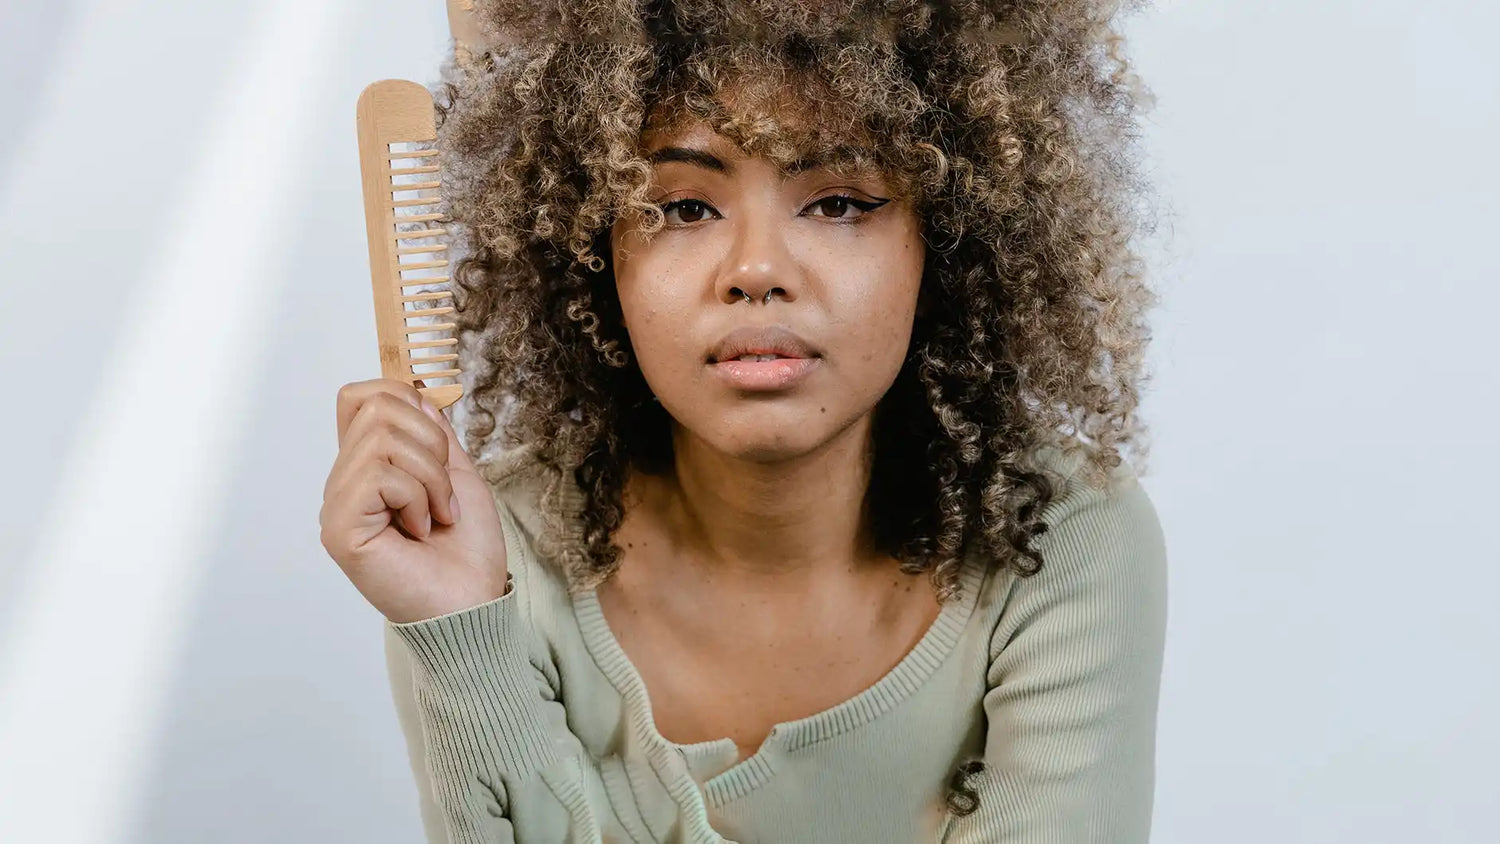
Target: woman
[[886, 579]]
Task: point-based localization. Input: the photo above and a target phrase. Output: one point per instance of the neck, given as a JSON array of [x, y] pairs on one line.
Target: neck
[[773, 530]]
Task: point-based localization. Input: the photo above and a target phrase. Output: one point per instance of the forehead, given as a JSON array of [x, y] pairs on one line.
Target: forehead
[[691, 134], [695, 143], [790, 120]]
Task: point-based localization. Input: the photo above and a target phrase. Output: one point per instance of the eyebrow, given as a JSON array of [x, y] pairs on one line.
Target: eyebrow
[[709, 161], [701, 158]]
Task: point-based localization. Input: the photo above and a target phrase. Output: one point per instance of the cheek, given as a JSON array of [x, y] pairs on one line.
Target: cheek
[[878, 316], [653, 319], [880, 335]]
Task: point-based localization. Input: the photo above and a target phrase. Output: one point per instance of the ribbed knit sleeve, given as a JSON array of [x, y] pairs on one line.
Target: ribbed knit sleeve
[[481, 714], [1074, 677]]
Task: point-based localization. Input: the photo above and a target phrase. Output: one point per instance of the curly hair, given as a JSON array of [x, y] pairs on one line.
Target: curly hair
[[1010, 124]]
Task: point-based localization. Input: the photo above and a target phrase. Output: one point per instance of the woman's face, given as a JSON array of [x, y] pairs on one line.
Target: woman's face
[[842, 275]]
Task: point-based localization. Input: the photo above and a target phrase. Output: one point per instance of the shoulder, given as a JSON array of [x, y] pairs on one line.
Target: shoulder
[[1104, 560], [527, 494], [1088, 515], [517, 480]]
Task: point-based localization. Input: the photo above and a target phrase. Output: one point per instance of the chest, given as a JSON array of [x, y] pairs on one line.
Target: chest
[[706, 686]]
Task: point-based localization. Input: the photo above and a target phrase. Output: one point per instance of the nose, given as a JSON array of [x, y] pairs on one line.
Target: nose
[[759, 265]]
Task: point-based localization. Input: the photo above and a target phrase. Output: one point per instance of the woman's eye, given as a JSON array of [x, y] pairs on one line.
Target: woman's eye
[[692, 210], [836, 205]]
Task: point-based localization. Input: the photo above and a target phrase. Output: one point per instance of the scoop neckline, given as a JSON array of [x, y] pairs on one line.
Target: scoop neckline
[[745, 775]]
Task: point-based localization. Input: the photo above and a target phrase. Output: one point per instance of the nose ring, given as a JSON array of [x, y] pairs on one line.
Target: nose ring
[[748, 297]]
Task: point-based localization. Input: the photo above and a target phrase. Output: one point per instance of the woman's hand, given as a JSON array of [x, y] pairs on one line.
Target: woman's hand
[[389, 518]]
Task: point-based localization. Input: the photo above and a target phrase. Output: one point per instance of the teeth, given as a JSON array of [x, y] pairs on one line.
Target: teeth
[[756, 357]]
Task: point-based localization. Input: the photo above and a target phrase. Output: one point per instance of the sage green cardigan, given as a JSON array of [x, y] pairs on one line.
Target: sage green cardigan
[[526, 722]]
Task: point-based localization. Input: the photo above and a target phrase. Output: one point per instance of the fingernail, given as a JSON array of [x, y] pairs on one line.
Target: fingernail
[[426, 525], [453, 505]]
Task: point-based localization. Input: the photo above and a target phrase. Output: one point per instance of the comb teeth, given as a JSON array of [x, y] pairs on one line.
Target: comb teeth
[[408, 243]]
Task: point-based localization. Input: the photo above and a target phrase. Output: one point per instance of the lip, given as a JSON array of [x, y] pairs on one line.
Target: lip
[[795, 358], [761, 340], [765, 375]]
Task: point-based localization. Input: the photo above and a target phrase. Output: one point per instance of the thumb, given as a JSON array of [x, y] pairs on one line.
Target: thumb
[[458, 458]]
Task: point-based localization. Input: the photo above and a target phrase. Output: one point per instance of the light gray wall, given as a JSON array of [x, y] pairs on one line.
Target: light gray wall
[[181, 662], [1324, 414]]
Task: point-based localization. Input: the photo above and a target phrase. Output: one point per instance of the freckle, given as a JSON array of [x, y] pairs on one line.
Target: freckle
[[822, 410]]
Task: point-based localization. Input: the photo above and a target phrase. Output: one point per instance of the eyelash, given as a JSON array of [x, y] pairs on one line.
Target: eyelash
[[864, 207]]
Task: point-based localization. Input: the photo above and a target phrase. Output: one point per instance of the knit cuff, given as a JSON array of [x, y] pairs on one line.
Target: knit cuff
[[477, 691]]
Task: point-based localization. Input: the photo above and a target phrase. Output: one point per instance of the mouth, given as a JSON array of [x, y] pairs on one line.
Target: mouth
[[761, 344], [756, 357], [764, 373], [763, 358]]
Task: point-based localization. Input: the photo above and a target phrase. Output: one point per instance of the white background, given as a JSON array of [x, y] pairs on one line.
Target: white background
[[182, 249]]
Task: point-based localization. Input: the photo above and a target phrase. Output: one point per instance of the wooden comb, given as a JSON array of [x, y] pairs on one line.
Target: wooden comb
[[466, 36], [398, 159], [408, 244]]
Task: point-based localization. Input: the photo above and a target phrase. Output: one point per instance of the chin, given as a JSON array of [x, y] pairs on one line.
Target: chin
[[787, 428], [763, 441]]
